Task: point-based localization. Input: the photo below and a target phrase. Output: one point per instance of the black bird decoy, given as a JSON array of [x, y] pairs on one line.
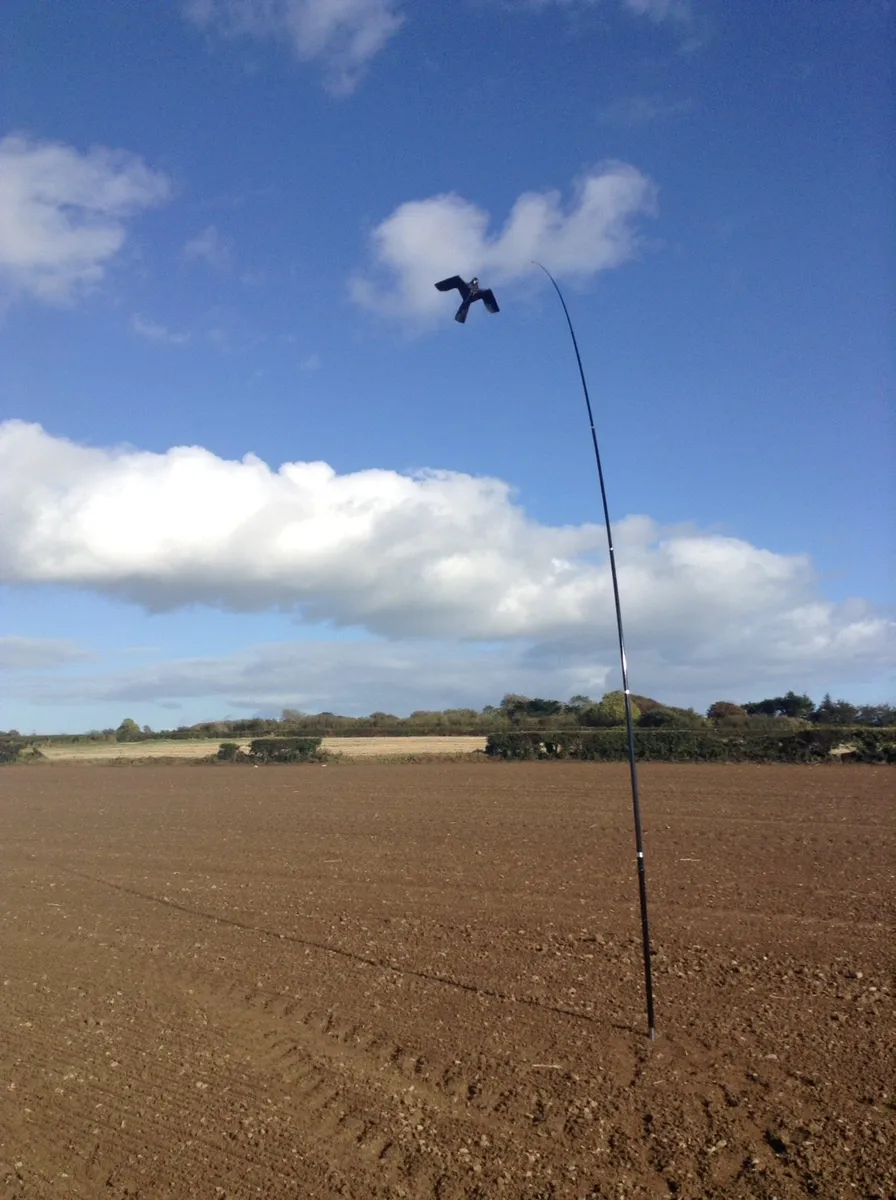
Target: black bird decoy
[[470, 293]]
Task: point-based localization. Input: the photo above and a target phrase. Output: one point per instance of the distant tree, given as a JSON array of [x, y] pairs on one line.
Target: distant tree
[[250, 725], [659, 718], [834, 712], [788, 705], [609, 712], [662, 716], [127, 731], [724, 712], [876, 714], [515, 706], [579, 701], [646, 703], [383, 720], [760, 723], [799, 707], [695, 720]]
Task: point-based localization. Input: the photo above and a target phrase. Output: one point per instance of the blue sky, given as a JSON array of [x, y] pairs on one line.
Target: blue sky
[[220, 222]]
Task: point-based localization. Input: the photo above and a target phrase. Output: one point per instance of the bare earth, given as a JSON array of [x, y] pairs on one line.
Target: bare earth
[[347, 747], [375, 981]]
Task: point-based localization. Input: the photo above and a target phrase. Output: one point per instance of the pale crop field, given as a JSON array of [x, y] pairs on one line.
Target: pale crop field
[[103, 751], [349, 747], [399, 747]]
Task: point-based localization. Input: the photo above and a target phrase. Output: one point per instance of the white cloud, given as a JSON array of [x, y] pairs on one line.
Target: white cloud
[[29, 654], [661, 10], [657, 10], [343, 34], [62, 214], [425, 240], [437, 555], [210, 247], [154, 332]]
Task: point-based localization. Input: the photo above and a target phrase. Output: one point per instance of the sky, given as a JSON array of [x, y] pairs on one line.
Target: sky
[[249, 461]]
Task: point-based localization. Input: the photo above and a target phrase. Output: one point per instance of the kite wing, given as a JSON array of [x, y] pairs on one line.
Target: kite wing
[[488, 299], [447, 285]]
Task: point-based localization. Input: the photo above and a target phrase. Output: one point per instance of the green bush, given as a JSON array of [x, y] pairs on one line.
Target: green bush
[[699, 745], [230, 752], [285, 750], [10, 750], [662, 718], [873, 745], [15, 750]]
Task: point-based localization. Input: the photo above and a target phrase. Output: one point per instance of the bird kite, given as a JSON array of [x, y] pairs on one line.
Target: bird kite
[[469, 293]]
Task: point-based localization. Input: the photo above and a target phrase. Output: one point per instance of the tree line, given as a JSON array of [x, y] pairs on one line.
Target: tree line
[[518, 713]]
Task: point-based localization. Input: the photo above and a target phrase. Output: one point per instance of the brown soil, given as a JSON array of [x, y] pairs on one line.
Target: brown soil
[[424, 981]]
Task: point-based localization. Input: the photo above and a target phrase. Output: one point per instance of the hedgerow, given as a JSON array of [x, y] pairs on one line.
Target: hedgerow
[[816, 744]]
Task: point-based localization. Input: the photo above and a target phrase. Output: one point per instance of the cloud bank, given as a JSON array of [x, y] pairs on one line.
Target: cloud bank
[[346, 677], [342, 34], [438, 556], [37, 654], [63, 213], [425, 240]]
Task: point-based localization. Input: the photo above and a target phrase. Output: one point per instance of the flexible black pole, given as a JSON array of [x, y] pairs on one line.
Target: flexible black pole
[[629, 723]]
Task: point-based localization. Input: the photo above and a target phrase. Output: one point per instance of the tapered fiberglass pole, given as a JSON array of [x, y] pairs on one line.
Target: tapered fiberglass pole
[[629, 722]]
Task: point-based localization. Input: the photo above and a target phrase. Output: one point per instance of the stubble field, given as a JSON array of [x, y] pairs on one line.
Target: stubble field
[[436, 746], [373, 981]]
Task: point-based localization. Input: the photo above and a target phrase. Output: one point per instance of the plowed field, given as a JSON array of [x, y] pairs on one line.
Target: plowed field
[[375, 981]]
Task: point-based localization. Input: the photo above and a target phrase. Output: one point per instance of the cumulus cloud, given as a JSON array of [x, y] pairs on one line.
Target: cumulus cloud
[[63, 213], [424, 240], [434, 555], [343, 34], [152, 331], [210, 247], [28, 654]]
